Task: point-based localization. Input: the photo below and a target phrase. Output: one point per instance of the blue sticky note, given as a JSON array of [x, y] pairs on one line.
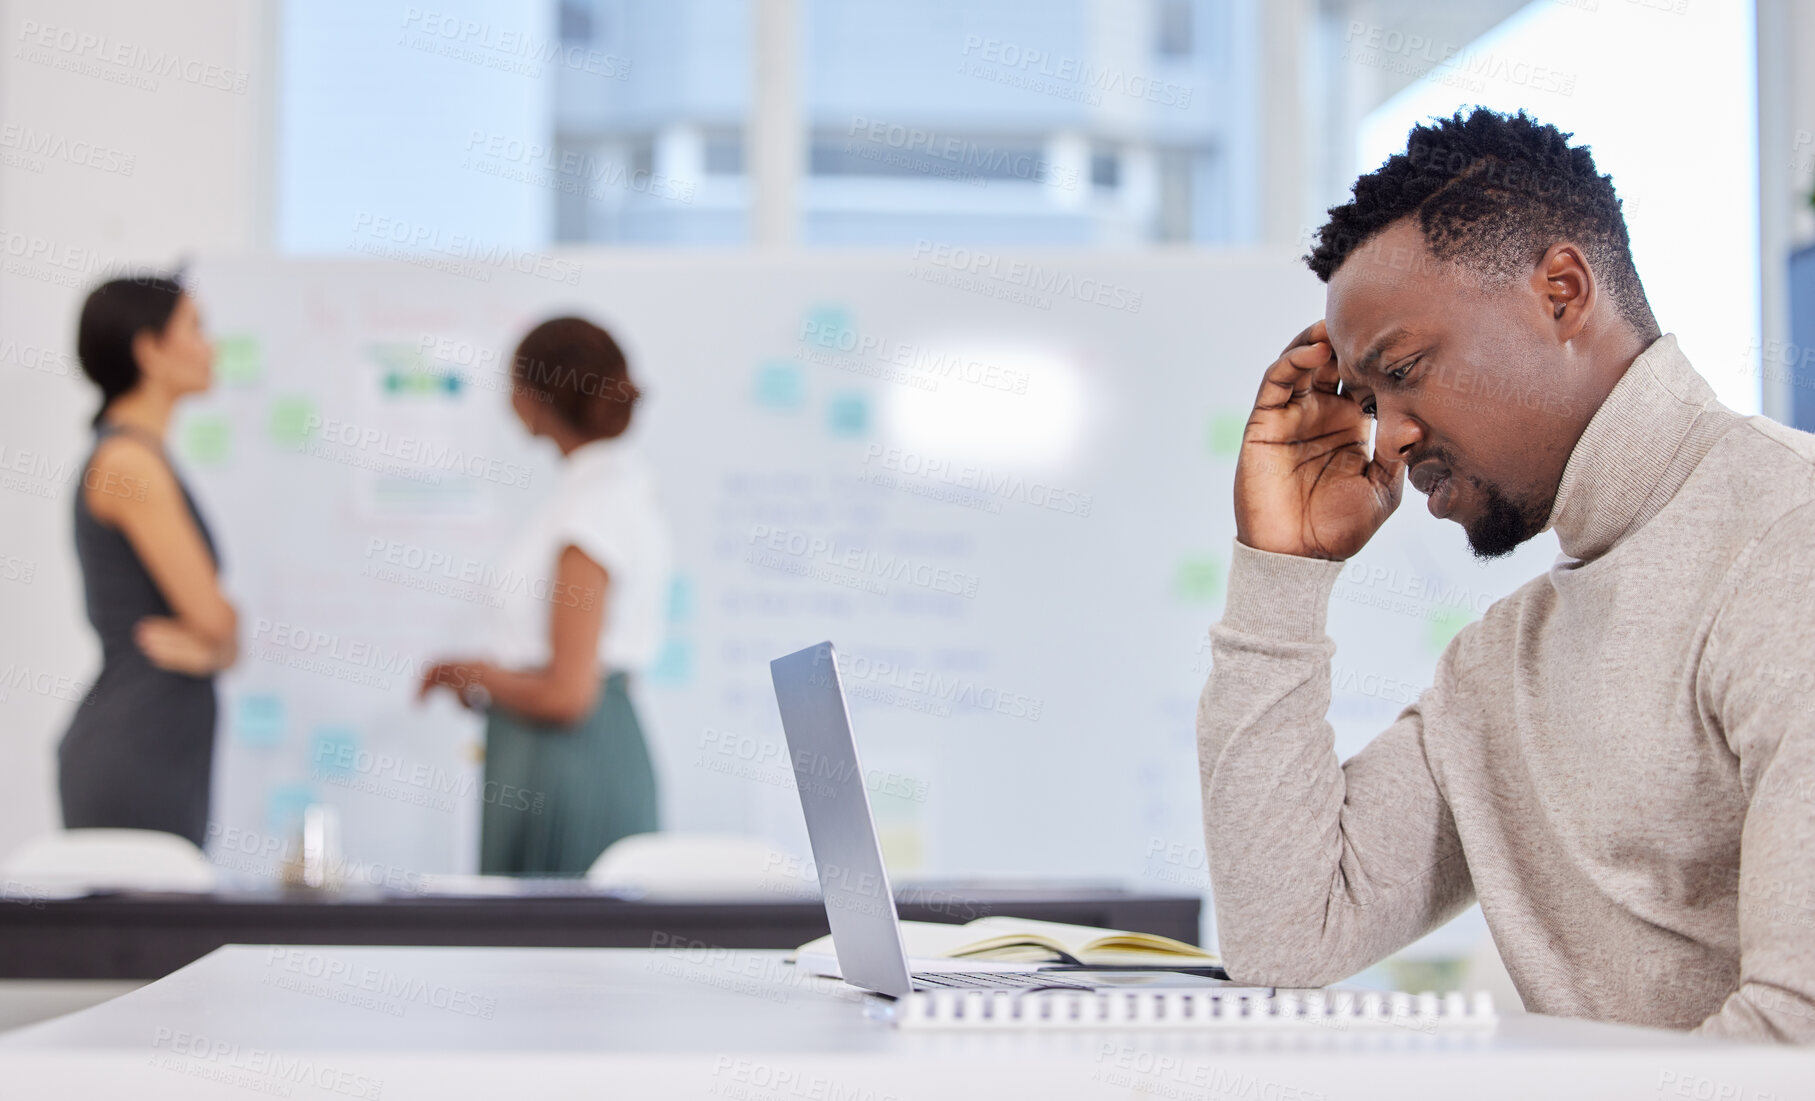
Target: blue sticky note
[[680, 599], [331, 750], [848, 415], [259, 719], [675, 665], [779, 385], [284, 805], [826, 326]]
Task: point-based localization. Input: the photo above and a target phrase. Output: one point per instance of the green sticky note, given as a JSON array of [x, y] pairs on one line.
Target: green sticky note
[[207, 439], [290, 421], [1225, 435], [1199, 579], [238, 359], [1442, 624]]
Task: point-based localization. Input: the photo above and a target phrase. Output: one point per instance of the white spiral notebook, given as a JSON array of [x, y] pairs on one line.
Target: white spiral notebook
[[1187, 1009]]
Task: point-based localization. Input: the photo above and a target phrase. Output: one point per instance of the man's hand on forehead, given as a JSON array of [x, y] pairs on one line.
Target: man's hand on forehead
[[1306, 482], [1327, 377]]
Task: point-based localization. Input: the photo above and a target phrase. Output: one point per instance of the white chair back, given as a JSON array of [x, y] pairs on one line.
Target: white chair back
[[74, 862], [702, 865]]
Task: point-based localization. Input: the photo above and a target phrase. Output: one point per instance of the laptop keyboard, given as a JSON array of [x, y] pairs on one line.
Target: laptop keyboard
[[996, 980]]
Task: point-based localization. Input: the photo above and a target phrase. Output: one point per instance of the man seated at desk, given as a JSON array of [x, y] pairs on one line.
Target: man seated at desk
[[1618, 759]]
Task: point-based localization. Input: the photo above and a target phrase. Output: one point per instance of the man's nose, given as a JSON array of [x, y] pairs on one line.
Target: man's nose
[[1396, 432]]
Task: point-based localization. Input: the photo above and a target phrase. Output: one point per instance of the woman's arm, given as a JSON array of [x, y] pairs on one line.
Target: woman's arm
[[130, 488], [566, 689]]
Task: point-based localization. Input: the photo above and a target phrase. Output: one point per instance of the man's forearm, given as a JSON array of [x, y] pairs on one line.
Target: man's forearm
[[1317, 869]]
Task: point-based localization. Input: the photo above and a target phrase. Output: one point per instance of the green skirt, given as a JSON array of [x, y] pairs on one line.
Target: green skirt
[[556, 796]]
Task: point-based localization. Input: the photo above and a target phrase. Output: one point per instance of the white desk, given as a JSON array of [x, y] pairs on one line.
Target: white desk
[[394, 1024]]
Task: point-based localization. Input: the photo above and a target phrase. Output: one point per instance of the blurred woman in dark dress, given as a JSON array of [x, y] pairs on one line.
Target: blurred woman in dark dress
[[139, 753]]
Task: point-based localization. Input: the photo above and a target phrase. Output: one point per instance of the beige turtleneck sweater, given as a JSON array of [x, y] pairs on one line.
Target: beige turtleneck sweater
[[1617, 760]]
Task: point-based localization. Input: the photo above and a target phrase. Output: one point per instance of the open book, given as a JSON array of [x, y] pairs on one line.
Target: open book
[[1024, 940]]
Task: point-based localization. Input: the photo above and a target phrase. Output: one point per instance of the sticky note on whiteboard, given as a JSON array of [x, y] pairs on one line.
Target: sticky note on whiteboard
[[284, 805], [1199, 579], [674, 665], [779, 386], [333, 751], [680, 599], [1224, 436], [827, 326], [238, 359], [1444, 623], [208, 439], [289, 420], [258, 719], [848, 415]]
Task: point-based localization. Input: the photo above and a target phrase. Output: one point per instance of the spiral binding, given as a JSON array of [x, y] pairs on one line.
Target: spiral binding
[[1161, 1009]]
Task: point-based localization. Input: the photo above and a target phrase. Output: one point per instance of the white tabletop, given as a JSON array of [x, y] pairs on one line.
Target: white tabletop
[[523, 1023]]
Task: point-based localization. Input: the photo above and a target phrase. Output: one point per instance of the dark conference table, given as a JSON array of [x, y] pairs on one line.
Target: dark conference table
[[147, 936]]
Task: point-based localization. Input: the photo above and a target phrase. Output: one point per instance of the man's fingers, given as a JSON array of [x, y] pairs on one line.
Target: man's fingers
[[1291, 374], [1311, 334], [1388, 472], [1326, 376], [1284, 379], [1304, 337]]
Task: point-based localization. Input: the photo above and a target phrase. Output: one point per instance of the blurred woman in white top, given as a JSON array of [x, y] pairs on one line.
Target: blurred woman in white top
[[567, 770]]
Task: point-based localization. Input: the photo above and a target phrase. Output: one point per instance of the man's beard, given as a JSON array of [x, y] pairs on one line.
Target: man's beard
[[1503, 523]]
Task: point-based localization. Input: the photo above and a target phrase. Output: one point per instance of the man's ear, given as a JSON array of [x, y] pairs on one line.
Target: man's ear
[[1567, 288]]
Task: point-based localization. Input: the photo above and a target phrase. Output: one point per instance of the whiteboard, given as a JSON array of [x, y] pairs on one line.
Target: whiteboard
[[1000, 483]]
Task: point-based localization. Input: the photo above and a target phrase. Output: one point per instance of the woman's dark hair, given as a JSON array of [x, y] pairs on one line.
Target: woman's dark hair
[[116, 312], [575, 367]]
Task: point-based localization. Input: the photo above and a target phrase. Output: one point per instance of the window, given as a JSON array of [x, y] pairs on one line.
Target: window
[[576, 21], [725, 153], [915, 154], [1105, 170], [1172, 28]]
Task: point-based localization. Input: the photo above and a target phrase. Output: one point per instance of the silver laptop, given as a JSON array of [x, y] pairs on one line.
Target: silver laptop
[[860, 907]]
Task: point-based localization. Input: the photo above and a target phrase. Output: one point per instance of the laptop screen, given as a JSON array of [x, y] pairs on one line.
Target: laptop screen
[[860, 908]]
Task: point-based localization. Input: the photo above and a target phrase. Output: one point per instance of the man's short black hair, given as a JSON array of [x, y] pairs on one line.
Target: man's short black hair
[[1493, 192]]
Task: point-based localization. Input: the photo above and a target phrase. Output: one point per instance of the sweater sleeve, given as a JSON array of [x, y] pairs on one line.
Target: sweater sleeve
[[1758, 679], [1317, 869]]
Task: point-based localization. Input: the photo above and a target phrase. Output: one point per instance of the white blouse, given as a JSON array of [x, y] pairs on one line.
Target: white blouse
[[606, 506]]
